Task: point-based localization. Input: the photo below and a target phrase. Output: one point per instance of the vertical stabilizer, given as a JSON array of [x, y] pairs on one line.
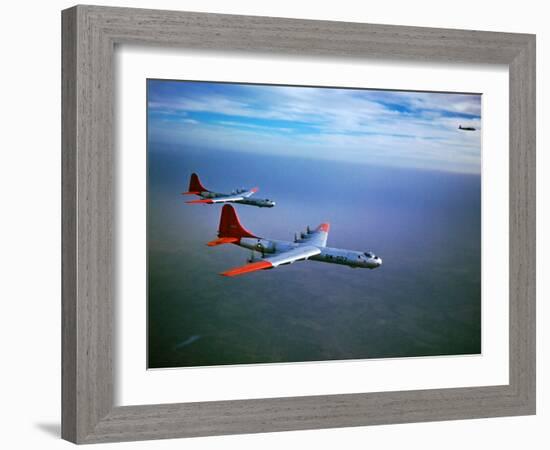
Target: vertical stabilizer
[[231, 230], [195, 185], [230, 225]]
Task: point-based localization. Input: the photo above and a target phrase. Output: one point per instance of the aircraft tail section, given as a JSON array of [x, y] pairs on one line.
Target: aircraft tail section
[[195, 185], [231, 229]]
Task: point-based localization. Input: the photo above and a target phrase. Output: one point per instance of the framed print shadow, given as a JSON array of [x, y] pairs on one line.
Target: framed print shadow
[[317, 222]]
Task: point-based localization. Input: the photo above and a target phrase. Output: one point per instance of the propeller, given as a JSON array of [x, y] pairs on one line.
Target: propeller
[[308, 230]]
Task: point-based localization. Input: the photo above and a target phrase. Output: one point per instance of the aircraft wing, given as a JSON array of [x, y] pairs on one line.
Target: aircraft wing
[[295, 254], [223, 199], [317, 237]]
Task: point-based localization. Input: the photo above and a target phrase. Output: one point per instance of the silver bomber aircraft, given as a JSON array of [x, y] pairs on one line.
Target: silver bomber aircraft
[[237, 196], [309, 245]]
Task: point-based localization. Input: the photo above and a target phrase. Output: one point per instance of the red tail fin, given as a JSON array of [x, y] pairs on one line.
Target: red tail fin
[[195, 185], [230, 225]]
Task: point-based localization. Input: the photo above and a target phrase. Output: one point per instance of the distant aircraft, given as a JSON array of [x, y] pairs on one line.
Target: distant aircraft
[[237, 196], [310, 245], [460, 127]]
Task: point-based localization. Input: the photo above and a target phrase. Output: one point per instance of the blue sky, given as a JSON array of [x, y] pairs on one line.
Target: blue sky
[[384, 128]]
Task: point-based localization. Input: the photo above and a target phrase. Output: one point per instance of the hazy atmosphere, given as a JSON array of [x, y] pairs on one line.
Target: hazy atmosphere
[[389, 170]]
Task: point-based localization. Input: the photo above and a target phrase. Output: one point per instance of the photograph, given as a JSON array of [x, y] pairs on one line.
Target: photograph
[[300, 224]]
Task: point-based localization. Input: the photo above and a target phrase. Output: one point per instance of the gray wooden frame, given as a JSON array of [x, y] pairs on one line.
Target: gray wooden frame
[[89, 36]]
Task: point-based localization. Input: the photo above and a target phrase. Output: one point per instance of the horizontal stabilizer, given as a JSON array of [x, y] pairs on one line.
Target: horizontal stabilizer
[[260, 265], [223, 240], [190, 193]]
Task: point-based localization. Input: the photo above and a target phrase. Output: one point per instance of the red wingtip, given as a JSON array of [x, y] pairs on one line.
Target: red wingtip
[[255, 189], [230, 225], [260, 265], [200, 201], [324, 227], [223, 240]]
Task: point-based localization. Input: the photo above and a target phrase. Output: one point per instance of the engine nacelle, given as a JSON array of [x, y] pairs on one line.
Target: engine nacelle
[[264, 246]]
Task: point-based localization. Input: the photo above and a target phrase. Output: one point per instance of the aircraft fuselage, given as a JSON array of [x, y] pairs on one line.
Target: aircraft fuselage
[[351, 258], [262, 203]]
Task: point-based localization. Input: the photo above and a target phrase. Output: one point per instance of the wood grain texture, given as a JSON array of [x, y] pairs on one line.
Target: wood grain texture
[[523, 223], [89, 36], [68, 226]]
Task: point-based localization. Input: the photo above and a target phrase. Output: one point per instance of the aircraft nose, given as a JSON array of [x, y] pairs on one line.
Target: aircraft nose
[[379, 261]]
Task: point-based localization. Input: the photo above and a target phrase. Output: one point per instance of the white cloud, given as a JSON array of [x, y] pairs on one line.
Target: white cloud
[[374, 127]]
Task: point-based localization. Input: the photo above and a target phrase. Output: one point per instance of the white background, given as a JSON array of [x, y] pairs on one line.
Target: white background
[[30, 226]]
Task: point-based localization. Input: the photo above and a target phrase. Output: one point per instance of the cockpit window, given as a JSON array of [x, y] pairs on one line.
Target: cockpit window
[[369, 255]]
